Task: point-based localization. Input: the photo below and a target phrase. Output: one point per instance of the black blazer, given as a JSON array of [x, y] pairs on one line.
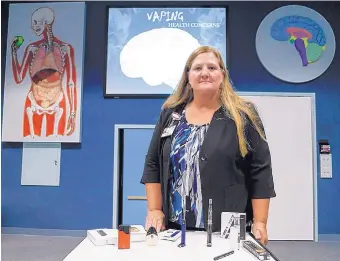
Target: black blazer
[[229, 179]]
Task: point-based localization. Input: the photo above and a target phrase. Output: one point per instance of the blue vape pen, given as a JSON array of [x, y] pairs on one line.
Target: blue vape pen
[[183, 225]]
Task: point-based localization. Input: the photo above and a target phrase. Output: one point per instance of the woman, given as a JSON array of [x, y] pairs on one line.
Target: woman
[[209, 143]]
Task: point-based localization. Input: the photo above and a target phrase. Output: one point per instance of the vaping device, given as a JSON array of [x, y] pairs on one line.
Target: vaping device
[[256, 250], [224, 255], [237, 228], [171, 235], [124, 237], [209, 230], [183, 226], [261, 246], [151, 237], [227, 228], [242, 226]]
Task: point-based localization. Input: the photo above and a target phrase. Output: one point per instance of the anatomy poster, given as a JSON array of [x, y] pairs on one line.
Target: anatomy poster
[[44, 71], [147, 47]]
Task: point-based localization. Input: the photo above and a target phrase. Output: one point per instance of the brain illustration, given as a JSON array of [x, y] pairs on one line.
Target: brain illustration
[[307, 36]]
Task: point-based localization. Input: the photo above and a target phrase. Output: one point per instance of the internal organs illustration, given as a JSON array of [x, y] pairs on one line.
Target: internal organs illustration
[[46, 60], [306, 35]]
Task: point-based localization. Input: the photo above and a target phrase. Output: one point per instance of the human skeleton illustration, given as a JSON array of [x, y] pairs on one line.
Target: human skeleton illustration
[[46, 61]]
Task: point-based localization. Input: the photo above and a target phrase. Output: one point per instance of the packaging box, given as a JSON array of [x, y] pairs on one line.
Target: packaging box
[[138, 233], [170, 235], [104, 236], [233, 219]]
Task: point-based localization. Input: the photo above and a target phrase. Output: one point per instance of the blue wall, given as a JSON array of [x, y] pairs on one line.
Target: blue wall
[[84, 198]]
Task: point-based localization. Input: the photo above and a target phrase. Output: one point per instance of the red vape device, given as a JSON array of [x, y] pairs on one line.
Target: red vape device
[[124, 237]]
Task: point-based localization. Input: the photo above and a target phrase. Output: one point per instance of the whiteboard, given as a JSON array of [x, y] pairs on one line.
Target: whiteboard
[[289, 122]]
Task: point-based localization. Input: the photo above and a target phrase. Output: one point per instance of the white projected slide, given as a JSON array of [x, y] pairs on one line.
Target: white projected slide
[[147, 47]]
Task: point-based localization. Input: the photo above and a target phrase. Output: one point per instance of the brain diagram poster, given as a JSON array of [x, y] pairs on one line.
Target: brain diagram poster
[[295, 44], [147, 47]]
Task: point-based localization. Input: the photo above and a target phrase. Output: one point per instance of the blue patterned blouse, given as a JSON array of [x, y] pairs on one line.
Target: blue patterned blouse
[[185, 147]]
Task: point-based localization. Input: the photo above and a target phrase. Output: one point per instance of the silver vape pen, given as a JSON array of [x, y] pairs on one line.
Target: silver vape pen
[[209, 230]]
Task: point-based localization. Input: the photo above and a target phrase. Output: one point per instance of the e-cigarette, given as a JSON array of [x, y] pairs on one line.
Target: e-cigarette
[[255, 250], [209, 229], [151, 237], [124, 237], [227, 228], [183, 225], [264, 247], [224, 255], [242, 226]]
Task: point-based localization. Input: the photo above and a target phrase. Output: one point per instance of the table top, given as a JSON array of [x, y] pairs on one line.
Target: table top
[[164, 250]]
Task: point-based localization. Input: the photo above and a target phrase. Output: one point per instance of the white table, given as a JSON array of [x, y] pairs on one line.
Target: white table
[[195, 250]]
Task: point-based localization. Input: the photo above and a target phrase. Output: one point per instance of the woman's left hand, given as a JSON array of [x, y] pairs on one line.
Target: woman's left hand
[[260, 232]]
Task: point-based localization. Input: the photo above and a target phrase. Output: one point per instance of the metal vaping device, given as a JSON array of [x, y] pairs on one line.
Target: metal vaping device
[[256, 250], [261, 246], [209, 229], [227, 228], [185, 202]]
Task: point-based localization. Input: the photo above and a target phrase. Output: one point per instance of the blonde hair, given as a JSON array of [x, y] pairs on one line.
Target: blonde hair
[[236, 106]]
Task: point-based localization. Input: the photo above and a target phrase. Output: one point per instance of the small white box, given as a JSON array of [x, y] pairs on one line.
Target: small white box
[[138, 233], [170, 235], [105, 236], [102, 237], [233, 219]]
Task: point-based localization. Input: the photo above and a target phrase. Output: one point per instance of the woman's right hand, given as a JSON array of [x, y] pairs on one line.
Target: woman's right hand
[[155, 218]]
